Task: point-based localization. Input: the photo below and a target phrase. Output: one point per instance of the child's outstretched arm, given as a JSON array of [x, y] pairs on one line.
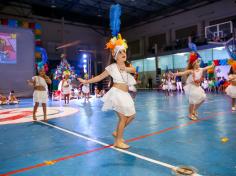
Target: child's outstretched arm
[[209, 67], [31, 82], [182, 73], [232, 77], [95, 79]]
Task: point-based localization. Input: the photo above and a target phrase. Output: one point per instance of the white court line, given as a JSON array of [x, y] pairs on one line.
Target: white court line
[[120, 150]]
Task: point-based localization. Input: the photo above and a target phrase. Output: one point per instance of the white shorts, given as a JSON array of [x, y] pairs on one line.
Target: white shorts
[[40, 96]]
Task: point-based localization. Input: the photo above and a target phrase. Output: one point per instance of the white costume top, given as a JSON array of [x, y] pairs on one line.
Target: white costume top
[[195, 93], [40, 96], [66, 83], [120, 76], [116, 99], [39, 81], [66, 87], [85, 88], [198, 75]]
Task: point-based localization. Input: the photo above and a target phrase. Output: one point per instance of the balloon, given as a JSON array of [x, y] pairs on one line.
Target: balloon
[[38, 43], [12, 23], [38, 26], [37, 55], [32, 25], [25, 24], [216, 62], [19, 23], [38, 48], [37, 37], [209, 62], [4, 21], [223, 62], [210, 71], [38, 32], [230, 61]]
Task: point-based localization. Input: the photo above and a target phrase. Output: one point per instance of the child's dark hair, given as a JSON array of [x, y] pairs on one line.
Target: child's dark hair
[[12, 91], [231, 71]]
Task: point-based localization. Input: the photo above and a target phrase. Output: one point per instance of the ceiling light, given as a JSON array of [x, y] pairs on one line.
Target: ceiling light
[[219, 48], [180, 54], [151, 58]]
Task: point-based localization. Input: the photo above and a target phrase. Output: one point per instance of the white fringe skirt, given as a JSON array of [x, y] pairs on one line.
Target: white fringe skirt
[[195, 93], [119, 101], [231, 91]]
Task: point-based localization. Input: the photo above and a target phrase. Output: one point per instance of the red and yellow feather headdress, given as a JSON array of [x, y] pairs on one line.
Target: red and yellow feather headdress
[[116, 44]]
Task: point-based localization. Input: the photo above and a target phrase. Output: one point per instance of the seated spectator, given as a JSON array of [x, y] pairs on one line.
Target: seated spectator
[[3, 100], [56, 95], [12, 99]]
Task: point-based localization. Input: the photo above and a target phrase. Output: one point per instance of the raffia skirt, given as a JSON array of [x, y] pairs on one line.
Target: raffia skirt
[[195, 93], [119, 101]]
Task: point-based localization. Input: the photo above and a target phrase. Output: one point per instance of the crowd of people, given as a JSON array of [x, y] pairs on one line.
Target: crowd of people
[[78, 93], [169, 84]]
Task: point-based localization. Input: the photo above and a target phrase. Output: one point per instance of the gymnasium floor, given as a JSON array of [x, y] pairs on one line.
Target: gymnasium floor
[[76, 141]]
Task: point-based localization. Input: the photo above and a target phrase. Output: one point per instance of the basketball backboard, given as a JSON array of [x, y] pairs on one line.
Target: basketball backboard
[[220, 32]]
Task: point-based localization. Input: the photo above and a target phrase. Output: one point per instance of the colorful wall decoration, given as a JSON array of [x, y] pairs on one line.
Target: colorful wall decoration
[[40, 53]]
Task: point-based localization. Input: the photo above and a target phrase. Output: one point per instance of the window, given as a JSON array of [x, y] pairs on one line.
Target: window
[[165, 62], [138, 64], [180, 60], [150, 64], [206, 55], [220, 53]]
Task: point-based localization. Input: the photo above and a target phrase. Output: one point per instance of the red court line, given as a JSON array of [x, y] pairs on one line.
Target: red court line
[[172, 128], [54, 161], [108, 146], [15, 117]]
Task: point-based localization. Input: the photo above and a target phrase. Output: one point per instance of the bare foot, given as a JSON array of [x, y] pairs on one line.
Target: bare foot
[[121, 145], [45, 120], [192, 117], [195, 113], [34, 118], [114, 134]]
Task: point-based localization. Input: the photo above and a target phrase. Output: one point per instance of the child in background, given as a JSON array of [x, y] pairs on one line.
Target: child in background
[[66, 86], [12, 99], [85, 90], [3, 100], [205, 84], [193, 90], [40, 94], [164, 85], [231, 89]]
